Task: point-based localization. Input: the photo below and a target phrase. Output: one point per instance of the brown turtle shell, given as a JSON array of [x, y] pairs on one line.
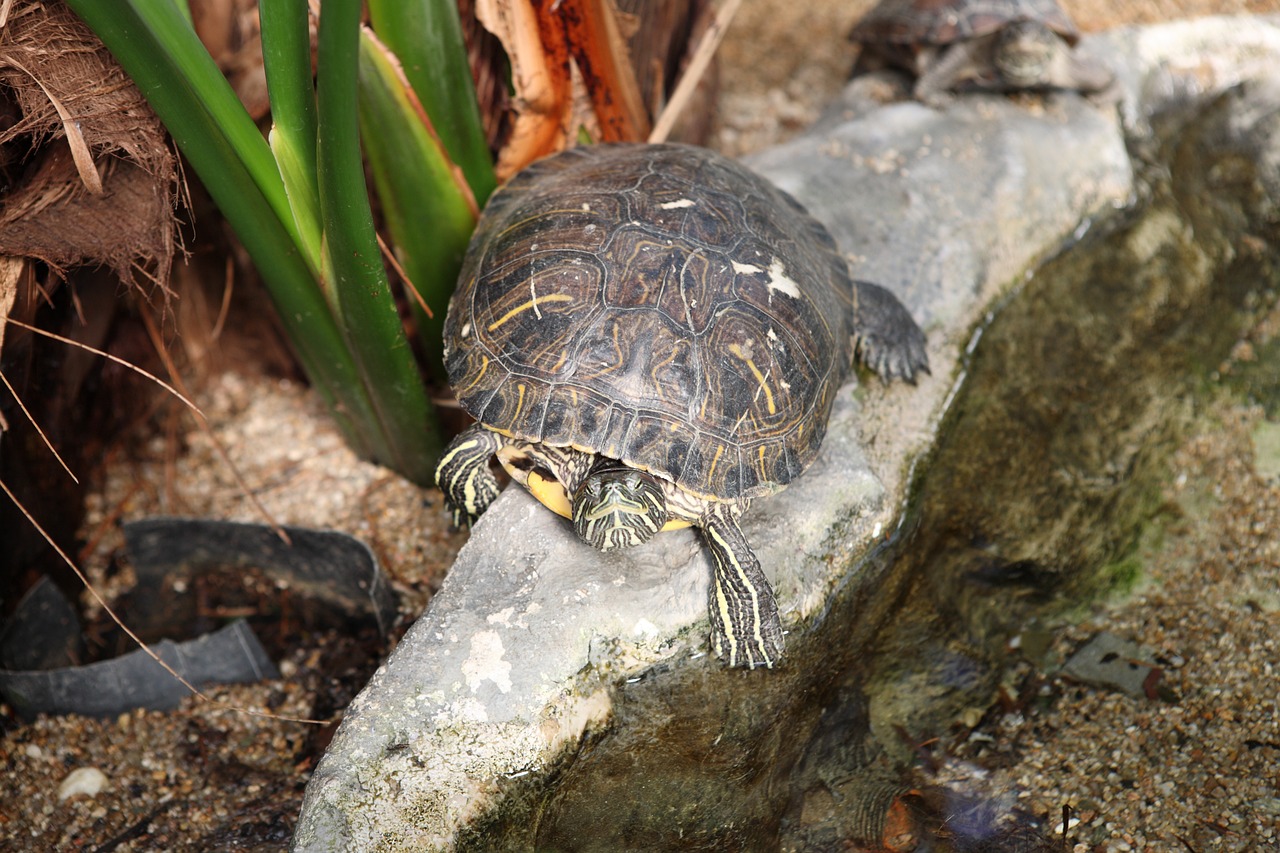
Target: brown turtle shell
[[940, 22], [657, 304]]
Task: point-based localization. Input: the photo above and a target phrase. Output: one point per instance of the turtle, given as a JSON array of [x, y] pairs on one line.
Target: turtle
[[651, 336], [1003, 45]]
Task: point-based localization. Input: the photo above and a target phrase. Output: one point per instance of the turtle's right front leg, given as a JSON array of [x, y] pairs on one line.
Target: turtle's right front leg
[[745, 629], [464, 476]]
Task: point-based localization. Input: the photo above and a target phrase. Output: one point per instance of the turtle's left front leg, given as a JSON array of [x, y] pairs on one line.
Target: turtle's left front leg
[[463, 474], [745, 629]]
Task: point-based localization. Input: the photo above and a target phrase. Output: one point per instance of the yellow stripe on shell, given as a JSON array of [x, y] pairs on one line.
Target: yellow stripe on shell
[[532, 303], [764, 384], [712, 470], [484, 365]]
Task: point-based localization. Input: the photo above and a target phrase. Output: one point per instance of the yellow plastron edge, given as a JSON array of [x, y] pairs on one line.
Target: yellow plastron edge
[[550, 493]]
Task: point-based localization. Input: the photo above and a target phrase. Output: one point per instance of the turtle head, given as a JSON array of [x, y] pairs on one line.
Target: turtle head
[[617, 506], [1024, 52]]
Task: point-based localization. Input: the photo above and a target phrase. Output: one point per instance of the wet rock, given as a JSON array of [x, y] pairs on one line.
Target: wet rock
[[490, 708], [1051, 467]]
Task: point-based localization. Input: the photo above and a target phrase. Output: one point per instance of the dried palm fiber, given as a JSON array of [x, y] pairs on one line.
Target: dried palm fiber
[[80, 122]]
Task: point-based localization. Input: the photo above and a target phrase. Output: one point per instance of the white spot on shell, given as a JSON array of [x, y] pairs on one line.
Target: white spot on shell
[[778, 280], [746, 269], [676, 205], [466, 329]]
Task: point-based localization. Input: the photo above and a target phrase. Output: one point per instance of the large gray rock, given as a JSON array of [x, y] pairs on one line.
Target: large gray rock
[[512, 662]]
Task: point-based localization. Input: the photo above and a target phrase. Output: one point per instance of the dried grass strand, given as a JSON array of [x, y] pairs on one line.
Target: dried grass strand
[[698, 65]]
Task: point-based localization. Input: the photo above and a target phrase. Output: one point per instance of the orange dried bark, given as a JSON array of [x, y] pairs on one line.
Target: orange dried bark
[[600, 51], [540, 76], [570, 69]]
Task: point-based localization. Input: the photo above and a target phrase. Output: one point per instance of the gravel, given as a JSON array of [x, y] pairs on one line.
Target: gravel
[[1195, 769]]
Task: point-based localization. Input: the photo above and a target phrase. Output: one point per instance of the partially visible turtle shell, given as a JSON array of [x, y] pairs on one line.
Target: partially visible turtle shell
[[940, 22], [656, 304]]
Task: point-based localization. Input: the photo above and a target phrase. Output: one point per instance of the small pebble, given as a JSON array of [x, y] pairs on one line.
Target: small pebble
[[83, 780], [1267, 805]]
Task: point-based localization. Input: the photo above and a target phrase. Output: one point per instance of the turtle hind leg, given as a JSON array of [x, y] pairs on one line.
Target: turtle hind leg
[[745, 629], [886, 337], [463, 474]]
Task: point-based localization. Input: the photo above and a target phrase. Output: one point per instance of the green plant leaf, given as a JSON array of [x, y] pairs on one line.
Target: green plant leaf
[[378, 401], [286, 55], [352, 264], [425, 201], [426, 35], [160, 52]]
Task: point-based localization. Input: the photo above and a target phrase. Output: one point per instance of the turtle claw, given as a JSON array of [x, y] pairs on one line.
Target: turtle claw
[[887, 339], [897, 359], [462, 520]]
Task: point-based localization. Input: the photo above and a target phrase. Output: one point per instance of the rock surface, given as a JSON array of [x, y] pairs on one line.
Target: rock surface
[[511, 664]]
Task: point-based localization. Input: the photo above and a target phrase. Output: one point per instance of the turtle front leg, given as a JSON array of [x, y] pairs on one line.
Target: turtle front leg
[[745, 629], [957, 63], [463, 474]]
